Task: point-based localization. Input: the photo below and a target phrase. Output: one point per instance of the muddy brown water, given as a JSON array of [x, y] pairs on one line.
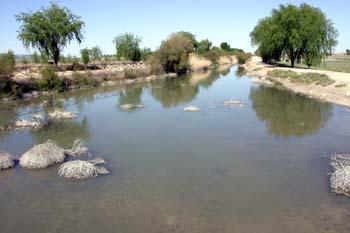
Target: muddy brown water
[[251, 169]]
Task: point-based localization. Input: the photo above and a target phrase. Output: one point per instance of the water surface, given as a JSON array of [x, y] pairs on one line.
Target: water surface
[[246, 169]]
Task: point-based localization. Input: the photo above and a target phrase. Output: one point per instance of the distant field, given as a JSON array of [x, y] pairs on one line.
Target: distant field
[[337, 62]]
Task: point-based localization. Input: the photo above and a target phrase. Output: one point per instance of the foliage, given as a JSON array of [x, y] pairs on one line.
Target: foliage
[[7, 64], [128, 47], [213, 55], [85, 56], [50, 29], [203, 46], [242, 57], [134, 73], [304, 78], [50, 80], [191, 37], [145, 53], [347, 52], [155, 64], [35, 58], [225, 46], [83, 79], [173, 53], [96, 53], [301, 32]]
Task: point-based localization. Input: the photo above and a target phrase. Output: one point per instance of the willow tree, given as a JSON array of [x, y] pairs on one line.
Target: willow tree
[[50, 29], [301, 32]]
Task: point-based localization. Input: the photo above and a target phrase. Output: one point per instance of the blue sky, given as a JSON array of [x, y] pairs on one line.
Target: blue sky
[[154, 20]]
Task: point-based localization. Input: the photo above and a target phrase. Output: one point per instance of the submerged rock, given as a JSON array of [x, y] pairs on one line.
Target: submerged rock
[[6, 160], [61, 114], [340, 178], [131, 106], [97, 161], [78, 149], [192, 109], [28, 124], [78, 170], [233, 103], [42, 155], [102, 171]]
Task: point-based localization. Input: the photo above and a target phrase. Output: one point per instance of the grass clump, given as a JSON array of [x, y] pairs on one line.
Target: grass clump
[[78, 170], [134, 73], [303, 78], [83, 79], [6, 160], [50, 80]]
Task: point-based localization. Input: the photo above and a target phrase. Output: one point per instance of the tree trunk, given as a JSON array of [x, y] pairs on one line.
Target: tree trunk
[[292, 61]]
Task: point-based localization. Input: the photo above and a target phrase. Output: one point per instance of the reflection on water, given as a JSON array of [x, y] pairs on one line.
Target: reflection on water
[[287, 114], [218, 170], [63, 132]]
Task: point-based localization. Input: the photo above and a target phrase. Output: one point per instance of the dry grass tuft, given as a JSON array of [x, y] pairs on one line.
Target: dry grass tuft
[[42, 155], [6, 160], [78, 170], [78, 149], [61, 114], [340, 179]]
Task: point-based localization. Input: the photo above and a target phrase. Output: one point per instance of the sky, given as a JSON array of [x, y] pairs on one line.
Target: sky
[[154, 20]]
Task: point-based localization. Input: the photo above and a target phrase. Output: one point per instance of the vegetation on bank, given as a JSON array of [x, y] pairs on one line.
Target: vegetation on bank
[[303, 78], [302, 33], [50, 29]]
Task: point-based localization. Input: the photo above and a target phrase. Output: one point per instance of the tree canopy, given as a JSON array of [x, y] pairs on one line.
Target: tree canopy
[[128, 47], [50, 29], [301, 32]]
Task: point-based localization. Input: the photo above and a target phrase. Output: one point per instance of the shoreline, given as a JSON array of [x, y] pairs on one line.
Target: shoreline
[[337, 93]]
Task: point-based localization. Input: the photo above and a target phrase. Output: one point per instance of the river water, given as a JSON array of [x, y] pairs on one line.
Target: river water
[[251, 169]]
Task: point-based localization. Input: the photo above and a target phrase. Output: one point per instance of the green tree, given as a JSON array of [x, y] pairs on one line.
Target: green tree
[[85, 56], [225, 46], [203, 46], [128, 47], [191, 37], [96, 53], [347, 52], [301, 32], [173, 53], [145, 53], [50, 30], [7, 65]]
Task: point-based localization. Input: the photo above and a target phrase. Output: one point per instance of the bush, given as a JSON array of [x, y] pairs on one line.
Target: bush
[[242, 57], [173, 53], [7, 65], [85, 56], [155, 65], [83, 79], [50, 80], [213, 55]]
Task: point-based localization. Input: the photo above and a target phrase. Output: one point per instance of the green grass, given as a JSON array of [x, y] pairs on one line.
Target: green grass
[[338, 62], [303, 78]]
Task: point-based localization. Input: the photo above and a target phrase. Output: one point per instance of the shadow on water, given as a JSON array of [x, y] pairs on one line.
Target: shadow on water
[[287, 114]]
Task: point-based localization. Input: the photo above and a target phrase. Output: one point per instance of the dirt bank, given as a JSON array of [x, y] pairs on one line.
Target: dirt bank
[[199, 63], [338, 92]]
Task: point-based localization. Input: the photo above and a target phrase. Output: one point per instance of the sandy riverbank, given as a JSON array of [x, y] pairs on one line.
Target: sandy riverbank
[[337, 93]]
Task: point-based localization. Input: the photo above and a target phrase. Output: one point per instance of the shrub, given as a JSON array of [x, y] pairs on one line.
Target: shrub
[[242, 57], [83, 79], [155, 65], [50, 80], [173, 53], [213, 55], [7, 65], [85, 56]]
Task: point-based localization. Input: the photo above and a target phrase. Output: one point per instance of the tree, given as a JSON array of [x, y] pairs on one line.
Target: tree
[[128, 47], [50, 30], [302, 33], [85, 56], [203, 46], [173, 53], [348, 52], [191, 37], [145, 53], [7, 64], [35, 58], [96, 53], [225, 46]]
